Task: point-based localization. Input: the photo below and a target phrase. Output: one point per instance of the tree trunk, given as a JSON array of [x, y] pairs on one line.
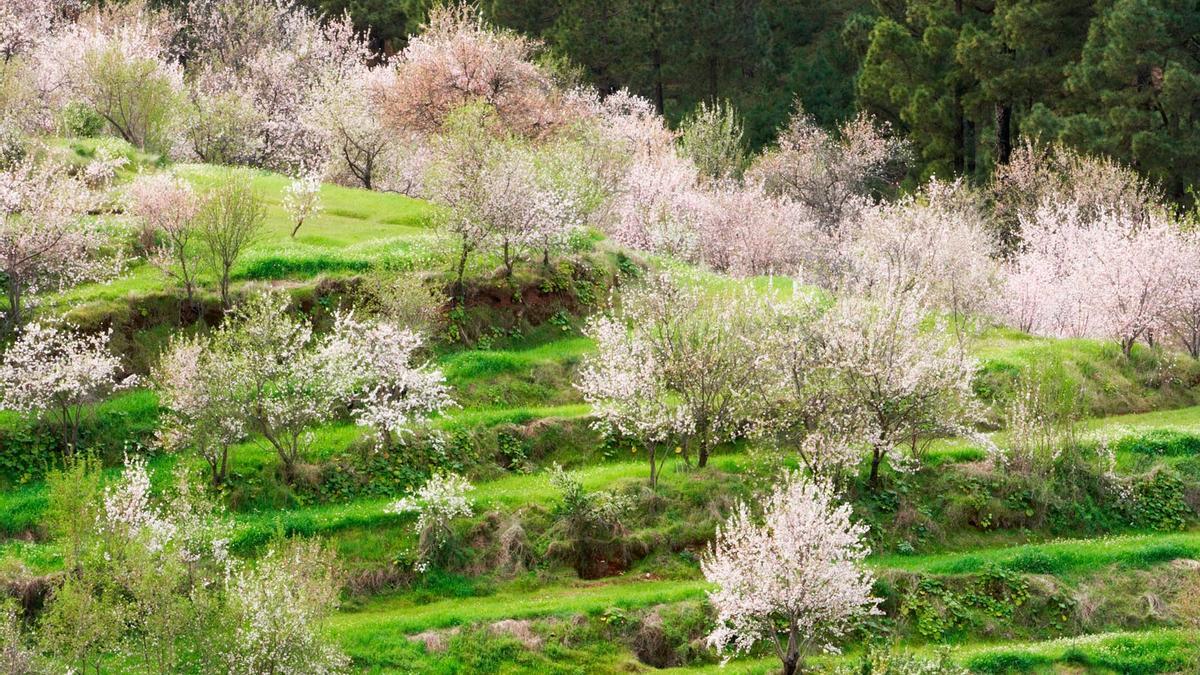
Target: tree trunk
[[876, 458], [960, 135], [459, 292], [1003, 133], [970, 147]]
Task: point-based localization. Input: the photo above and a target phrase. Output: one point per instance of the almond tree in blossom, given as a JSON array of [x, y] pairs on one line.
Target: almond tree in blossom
[[168, 207], [937, 239], [264, 372], [459, 59], [362, 148], [258, 70], [1037, 174], [1183, 319], [1102, 275], [804, 405], [58, 374], [302, 200], [119, 61], [831, 174], [682, 361], [909, 382], [793, 579], [46, 239]]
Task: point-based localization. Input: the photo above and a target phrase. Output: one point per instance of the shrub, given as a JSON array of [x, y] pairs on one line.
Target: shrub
[[589, 525], [1159, 501], [437, 504]]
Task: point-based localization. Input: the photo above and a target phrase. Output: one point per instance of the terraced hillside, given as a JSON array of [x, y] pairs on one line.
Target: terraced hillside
[[991, 571]]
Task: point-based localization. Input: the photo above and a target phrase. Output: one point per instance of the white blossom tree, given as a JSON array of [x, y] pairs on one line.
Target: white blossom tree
[[373, 369], [277, 608], [264, 372], [909, 382], [834, 175], [200, 409], [438, 503], [793, 579], [692, 352], [302, 200], [626, 386], [59, 374], [804, 404]]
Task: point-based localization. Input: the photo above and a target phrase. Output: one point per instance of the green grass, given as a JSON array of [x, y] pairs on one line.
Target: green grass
[[375, 636], [357, 230], [1055, 557]]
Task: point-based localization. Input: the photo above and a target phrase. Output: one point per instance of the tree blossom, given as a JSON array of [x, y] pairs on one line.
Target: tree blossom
[[803, 403], [795, 579], [1038, 174], [1183, 319], [832, 175], [371, 366], [46, 240], [1102, 275], [910, 382], [626, 387], [24, 24], [657, 206], [362, 148], [745, 232], [258, 71], [685, 364], [264, 371], [59, 374], [631, 123], [200, 409], [458, 59], [277, 609], [937, 239], [168, 206], [119, 62], [129, 511], [302, 200], [437, 503]]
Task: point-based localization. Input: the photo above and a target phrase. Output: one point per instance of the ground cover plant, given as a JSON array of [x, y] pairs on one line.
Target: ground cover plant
[[321, 355]]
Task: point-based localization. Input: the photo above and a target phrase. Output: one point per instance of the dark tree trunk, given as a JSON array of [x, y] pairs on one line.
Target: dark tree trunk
[[1003, 133]]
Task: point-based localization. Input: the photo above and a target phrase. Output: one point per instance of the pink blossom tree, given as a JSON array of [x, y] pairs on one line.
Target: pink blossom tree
[[1102, 275], [831, 174], [459, 59], [200, 410], [1183, 319], [168, 206], [1037, 174], [47, 241], [937, 239], [794, 579], [258, 71], [59, 374]]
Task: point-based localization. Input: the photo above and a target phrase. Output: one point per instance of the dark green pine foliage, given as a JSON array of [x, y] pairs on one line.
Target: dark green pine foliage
[[1134, 93]]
